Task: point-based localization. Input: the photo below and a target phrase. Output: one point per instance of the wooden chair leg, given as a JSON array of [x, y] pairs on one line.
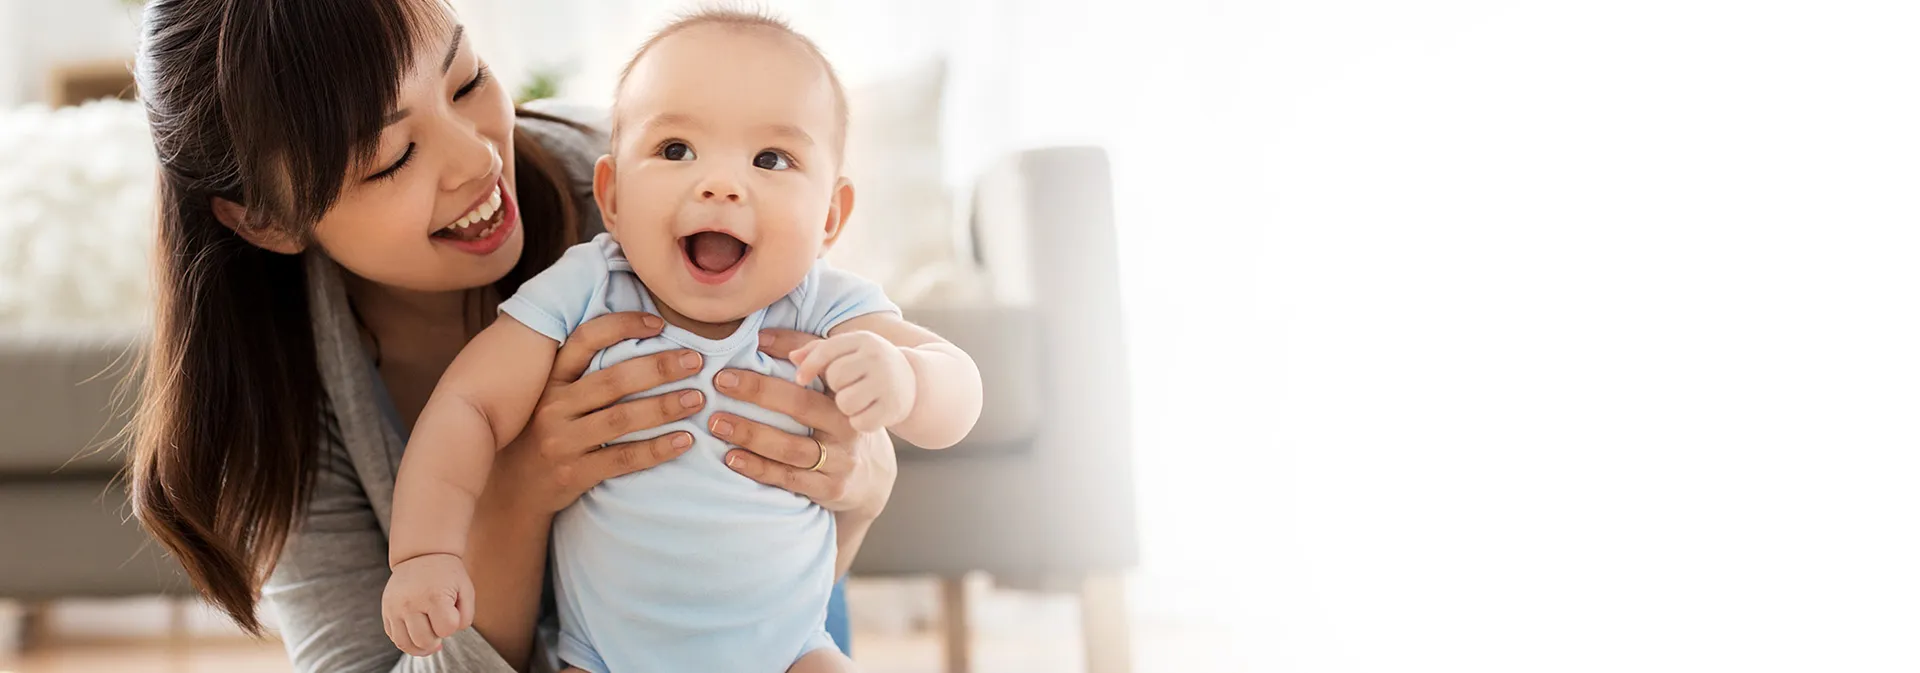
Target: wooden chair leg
[[179, 616], [1104, 626], [35, 624], [959, 633]]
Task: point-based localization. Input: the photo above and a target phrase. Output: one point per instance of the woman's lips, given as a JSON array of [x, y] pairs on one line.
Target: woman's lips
[[508, 219]]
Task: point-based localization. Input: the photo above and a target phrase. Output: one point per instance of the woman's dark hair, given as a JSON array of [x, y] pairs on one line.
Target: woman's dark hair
[[268, 103]]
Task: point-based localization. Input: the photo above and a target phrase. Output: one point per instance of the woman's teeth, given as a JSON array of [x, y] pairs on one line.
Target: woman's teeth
[[481, 213]]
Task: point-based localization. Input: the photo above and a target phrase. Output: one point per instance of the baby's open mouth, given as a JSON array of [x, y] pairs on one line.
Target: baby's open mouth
[[714, 252]]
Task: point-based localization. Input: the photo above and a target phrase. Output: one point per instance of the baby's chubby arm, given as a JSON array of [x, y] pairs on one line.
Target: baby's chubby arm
[[889, 373], [481, 403]]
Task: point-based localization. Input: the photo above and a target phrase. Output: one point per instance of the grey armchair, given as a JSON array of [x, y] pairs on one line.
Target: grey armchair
[[1041, 494]]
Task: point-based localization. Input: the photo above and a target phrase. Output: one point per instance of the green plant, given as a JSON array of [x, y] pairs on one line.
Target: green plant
[[541, 83]]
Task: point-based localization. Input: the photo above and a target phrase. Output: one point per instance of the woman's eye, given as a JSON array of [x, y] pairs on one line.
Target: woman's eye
[[771, 160], [395, 168], [676, 151], [480, 77]]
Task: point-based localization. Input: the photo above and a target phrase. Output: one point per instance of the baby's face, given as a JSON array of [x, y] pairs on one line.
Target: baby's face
[[724, 186]]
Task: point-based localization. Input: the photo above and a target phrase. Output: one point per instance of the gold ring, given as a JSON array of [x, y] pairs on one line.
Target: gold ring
[[823, 455]]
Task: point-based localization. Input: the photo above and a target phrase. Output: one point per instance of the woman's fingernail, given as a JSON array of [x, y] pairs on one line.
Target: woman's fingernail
[[721, 427], [682, 440], [766, 340], [727, 379], [733, 462], [689, 360], [690, 399], [652, 321]]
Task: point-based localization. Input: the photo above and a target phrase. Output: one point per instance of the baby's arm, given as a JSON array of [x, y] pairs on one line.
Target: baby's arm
[[889, 373], [482, 402]]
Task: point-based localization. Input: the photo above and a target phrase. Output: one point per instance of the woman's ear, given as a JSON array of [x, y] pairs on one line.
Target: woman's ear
[[839, 206], [603, 184], [234, 216]]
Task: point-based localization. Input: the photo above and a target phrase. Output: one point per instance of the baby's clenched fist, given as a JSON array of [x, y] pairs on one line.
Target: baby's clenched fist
[[428, 598], [872, 382]]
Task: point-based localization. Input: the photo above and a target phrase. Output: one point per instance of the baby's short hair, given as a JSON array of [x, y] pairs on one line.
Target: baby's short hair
[[742, 19]]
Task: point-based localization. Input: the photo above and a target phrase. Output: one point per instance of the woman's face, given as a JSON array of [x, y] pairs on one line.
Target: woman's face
[[434, 210]]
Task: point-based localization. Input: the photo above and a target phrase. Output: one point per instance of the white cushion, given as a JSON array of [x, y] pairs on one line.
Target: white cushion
[[77, 229], [903, 232]]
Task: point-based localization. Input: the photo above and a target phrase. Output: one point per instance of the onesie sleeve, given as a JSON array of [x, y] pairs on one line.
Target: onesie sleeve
[[556, 301], [839, 296]]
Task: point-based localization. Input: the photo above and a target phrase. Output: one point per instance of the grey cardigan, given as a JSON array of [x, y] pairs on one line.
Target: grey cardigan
[[326, 589]]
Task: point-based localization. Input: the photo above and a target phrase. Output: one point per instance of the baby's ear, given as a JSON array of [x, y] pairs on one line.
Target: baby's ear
[[839, 206], [603, 189]]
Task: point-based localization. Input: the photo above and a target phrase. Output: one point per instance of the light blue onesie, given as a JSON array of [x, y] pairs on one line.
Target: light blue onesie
[[689, 566]]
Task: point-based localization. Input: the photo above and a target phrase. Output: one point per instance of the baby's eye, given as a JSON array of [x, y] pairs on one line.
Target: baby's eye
[[771, 160], [676, 151]]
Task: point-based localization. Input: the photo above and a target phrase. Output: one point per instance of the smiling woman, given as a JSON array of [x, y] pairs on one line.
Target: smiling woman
[[345, 193]]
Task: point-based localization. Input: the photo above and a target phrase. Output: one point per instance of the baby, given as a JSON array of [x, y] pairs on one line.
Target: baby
[[721, 193]]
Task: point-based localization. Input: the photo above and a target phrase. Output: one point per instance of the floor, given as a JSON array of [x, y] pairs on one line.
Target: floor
[[896, 632]]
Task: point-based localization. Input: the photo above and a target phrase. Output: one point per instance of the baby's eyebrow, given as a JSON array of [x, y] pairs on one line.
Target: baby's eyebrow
[[670, 119], [790, 131]]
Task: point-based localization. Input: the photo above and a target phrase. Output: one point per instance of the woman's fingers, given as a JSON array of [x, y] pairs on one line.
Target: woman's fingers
[[613, 422], [815, 486], [602, 388], [596, 335], [771, 442], [811, 408], [781, 343], [631, 457]]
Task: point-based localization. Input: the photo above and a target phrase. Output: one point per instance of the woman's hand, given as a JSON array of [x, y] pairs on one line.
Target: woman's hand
[[559, 455], [856, 470]]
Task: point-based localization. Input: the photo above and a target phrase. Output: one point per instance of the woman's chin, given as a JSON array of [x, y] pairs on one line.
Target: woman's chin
[[467, 271]]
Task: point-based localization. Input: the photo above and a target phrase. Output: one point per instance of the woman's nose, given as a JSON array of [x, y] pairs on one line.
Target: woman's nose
[[475, 159]]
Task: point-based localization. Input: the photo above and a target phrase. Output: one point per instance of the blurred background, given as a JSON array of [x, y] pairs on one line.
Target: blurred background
[[1362, 336]]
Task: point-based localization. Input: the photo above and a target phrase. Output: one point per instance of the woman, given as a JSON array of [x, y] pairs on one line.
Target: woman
[[312, 153]]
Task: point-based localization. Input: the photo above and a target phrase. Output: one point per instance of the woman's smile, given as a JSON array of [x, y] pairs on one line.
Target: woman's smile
[[486, 226]]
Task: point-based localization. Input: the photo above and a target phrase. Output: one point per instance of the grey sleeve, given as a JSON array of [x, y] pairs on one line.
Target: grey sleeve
[[326, 590]]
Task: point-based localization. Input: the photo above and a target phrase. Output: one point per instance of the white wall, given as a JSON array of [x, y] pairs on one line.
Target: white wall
[[36, 35]]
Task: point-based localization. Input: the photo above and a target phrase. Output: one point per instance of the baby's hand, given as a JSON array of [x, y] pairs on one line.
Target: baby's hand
[[428, 598], [872, 382]]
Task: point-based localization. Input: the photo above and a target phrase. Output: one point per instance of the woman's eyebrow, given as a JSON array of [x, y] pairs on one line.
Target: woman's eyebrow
[[446, 65], [452, 51]]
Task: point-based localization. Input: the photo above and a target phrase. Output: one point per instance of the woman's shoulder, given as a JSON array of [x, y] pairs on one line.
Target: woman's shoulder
[[575, 135]]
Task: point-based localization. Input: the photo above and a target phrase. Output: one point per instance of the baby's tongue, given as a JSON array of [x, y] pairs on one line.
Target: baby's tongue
[[715, 252]]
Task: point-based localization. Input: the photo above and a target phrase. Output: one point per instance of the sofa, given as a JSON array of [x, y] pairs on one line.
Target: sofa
[[1040, 495]]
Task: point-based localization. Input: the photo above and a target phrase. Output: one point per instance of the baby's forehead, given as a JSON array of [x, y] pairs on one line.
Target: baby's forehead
[[727, 70]]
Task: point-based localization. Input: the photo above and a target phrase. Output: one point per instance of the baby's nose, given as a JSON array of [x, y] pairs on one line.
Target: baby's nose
[[728, 194]]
